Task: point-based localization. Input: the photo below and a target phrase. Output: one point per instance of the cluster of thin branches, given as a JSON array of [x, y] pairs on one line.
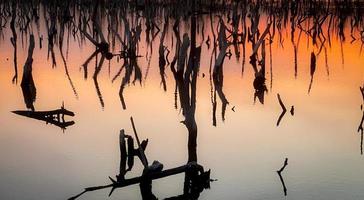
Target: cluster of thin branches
[[115, 27]]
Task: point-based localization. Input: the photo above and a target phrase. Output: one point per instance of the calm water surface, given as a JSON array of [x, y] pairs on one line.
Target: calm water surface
[[243, 148]]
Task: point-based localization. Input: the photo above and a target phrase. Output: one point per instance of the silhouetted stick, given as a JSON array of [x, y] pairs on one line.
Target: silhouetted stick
[[28, 63], [292, 110], [223, 45], [284, 166], [261, 39], [14, 41], [143, 157], [27, 83], [123, 157], [281, 178], [281, 103], [312, 69], [361, 143], [280, 117], [283, 109], [183, 53], [85, 64], [361, 130], [67, 72], [97, 71], [124, 82]]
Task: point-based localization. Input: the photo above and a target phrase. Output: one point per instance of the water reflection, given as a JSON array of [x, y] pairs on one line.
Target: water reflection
[[27, 83], [360, 127], [218, 71], [245, 24], [199, 35], [284, 110], [55, 117], [256, 39], [312, 70], [360, 130], [13, 40], [279, 172], [196, 179]]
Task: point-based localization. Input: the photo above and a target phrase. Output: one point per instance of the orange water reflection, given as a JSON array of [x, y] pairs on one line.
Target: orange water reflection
[[243, 151]]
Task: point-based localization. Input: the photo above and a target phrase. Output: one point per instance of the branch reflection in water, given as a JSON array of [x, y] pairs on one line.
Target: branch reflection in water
[[123, 34]]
